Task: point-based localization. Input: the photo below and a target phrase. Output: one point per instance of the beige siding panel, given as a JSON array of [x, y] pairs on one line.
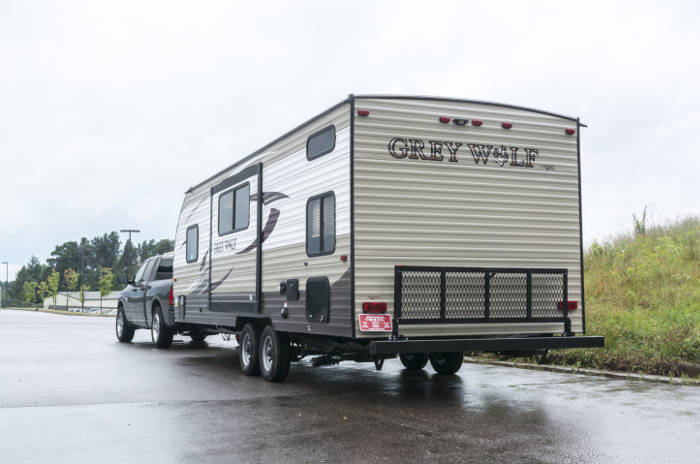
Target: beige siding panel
[[287, 171], [444, 213]]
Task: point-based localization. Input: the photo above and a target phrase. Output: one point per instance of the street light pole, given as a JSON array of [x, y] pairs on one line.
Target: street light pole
[[129, 231]]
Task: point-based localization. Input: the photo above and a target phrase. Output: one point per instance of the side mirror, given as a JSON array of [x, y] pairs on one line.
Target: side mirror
[[122, 280]]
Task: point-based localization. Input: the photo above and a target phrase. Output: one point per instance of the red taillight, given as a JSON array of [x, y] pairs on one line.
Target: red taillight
[[506, 125], [570, 131], [572, 305], [444, 119], [344, 258], [171, 299], [476, 122], [375, 307], [363, 112]]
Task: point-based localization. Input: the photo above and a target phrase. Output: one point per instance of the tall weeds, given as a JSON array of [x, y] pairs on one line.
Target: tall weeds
[[643, 295]]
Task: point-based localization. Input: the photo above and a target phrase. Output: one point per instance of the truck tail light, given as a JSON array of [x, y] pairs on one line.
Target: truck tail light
[[572, 305], [171, 299], [374, 307]]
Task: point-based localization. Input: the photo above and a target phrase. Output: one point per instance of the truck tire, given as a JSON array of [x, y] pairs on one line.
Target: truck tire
[[248, 350], [161, 334], [275, 356], [414, 361], [446, 363], [125, 331]]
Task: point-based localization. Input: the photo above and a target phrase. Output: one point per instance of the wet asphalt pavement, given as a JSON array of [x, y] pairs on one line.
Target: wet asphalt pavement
[[70, 393]]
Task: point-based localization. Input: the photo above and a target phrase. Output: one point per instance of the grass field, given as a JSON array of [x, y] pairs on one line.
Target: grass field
[[643, 295]]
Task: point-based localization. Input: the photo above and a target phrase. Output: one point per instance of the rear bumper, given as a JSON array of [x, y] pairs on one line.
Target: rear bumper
[[383, 347]]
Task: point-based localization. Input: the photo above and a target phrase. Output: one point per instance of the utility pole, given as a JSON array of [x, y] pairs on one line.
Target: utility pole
[[7, 280], [129, 231]]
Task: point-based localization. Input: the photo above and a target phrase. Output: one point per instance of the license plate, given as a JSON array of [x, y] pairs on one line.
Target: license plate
[[375, 323]]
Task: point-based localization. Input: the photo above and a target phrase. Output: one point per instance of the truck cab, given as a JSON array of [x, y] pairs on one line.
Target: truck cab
[[146, 302]]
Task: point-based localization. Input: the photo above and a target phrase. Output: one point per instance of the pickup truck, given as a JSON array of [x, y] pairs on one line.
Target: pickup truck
[[147, 303]]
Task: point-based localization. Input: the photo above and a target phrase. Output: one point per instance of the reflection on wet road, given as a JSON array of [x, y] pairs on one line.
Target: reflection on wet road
[[69, 392]]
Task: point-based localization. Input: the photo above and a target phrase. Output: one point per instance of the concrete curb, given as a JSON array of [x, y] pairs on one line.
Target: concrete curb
[[57, 311], [585, 371]]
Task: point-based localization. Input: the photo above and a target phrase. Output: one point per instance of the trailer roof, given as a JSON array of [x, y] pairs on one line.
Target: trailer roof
[[351, 97], [461, 100]]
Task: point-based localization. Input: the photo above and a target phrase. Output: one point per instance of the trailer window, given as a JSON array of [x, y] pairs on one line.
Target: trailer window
[[234, 210], [242, 207], [226, 213], [320, 143], [320, 225], [192, 244]]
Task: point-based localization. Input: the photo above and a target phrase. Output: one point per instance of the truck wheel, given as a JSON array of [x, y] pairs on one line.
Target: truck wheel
[[161, 334], [446, 363], [274, 355], [414, 361], [248, 352], [125, 331]]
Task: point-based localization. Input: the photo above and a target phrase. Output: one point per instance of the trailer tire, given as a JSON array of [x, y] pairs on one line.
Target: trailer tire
[[275, 355], [248, 352], [413, 361], [161, 334], [446, 363], [124, 330]]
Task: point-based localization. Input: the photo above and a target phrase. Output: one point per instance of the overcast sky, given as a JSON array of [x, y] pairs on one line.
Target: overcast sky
[[110, 110]]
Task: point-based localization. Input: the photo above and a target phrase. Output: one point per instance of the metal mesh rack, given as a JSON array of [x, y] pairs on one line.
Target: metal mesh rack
[[449, 295]]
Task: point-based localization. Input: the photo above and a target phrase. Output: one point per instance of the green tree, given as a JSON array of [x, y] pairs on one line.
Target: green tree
[[29, 289], [105, 284], [123, 262], [32, 271], [83, 289], [52, 282], [65, 256], [70, 278], [42, 290], [106, 250]]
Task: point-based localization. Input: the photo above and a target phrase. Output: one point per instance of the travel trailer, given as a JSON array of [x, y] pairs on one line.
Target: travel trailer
[[391, 225]]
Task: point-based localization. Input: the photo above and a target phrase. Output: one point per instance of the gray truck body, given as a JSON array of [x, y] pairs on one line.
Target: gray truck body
[[150, 288]]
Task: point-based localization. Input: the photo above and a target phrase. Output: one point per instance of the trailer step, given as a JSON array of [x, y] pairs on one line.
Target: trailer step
[[484, 344]]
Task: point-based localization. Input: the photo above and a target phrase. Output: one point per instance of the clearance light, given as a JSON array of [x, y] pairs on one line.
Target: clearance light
[[506, 125], [343, 258], [476, 122], [363, 112], [374, 307], [444, 119], [569, 131], [572, 305]]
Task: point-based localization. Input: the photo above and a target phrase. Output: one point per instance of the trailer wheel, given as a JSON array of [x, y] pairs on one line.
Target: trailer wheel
[[125, 331], [161, 334], [198, 335], [275, 355], [414, 361], [248, 353], [446, 363]]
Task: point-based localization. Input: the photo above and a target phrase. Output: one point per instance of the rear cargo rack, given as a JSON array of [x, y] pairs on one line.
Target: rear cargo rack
[[430, 295]]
